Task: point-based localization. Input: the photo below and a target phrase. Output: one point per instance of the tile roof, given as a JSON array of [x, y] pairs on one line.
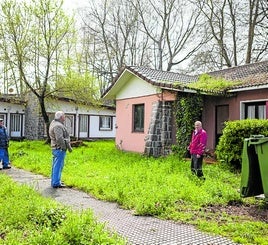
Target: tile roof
[[243, 71], [10, 98], [161, 76], [250, 76]]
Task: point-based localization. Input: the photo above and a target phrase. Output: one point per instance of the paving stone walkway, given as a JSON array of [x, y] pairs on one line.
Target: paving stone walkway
[[136, 229]]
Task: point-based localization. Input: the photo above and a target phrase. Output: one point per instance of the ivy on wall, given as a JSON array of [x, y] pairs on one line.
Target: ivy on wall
[[188, 109]]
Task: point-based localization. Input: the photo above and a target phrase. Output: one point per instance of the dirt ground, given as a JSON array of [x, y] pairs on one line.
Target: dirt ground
[[253, 212]]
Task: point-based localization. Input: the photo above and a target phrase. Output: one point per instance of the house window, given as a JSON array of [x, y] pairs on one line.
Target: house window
[[105, 123], [255, 110], [15, 125], [138, 118], [69, 124], [83, 123], [3, 117]]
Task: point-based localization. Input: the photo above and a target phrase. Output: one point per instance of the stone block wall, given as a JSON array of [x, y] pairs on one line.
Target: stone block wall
[[159, 137], [34, 123]]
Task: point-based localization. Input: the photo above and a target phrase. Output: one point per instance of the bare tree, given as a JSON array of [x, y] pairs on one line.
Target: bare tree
[[237, 31], [109, 38], [172, 26], [33, 35], [258, 27], [161, 35]]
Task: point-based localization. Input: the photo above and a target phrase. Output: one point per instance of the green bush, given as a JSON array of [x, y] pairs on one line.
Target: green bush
[[230, 146]]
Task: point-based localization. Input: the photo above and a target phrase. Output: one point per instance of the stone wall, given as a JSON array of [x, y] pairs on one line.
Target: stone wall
[[159, 138], [34, 123]]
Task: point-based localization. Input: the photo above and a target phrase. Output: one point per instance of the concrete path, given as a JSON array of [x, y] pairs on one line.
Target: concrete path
[[136, 229]]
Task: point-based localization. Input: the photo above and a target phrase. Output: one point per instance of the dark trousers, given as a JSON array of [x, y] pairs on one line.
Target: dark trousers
[[196, 165]]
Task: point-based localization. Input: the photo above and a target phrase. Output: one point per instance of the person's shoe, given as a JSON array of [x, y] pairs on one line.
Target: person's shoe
[[202, 178], [7, 167], [59, 186]]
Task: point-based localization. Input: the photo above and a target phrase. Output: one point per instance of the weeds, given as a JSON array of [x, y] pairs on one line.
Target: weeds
[[27, 218], [162, 187]]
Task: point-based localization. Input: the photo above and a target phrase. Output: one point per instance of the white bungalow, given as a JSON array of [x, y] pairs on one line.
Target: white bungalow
[[23, 118]]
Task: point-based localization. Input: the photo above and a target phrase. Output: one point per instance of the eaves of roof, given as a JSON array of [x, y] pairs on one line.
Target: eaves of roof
[[82, 102], [11, 99], [172, 81], [251, 76], [252, 82], [162, 78]]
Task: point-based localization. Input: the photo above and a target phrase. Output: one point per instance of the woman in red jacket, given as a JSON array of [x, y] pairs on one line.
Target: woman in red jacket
[[197, 148]]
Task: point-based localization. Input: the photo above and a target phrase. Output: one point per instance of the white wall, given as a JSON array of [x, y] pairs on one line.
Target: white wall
[[69, 108], [136, 87], [6, 108], [96, 133], [94, 112]]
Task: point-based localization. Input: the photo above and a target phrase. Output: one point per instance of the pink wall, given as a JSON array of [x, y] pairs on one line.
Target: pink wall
[[125, 138], [209, 112], [134, 141]]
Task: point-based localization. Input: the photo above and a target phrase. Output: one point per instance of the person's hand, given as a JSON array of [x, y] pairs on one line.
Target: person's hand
[[198, 156], [69, 147]]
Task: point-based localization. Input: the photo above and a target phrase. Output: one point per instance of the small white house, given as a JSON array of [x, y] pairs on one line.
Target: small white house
[[23, 118], [12, 111]]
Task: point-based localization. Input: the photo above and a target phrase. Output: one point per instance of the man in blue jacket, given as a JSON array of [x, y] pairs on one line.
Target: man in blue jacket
[[4, 140]]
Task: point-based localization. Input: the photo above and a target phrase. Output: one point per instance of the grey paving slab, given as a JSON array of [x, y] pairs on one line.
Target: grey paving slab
[[136, 229]]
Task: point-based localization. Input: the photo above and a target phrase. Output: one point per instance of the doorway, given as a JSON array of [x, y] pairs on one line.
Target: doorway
[[222, 115]]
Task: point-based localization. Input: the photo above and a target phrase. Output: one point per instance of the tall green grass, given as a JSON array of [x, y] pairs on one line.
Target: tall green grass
[[162, 187], [27, 218]]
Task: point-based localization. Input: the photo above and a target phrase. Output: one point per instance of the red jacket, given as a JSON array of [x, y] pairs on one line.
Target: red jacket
[[198, 142]]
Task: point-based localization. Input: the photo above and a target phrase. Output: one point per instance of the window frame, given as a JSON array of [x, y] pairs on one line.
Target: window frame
[[103, 125], [257, 105], [138, 110]]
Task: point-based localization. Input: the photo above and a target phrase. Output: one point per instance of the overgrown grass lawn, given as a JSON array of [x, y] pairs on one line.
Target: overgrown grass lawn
[[162, 187], [27, 218]]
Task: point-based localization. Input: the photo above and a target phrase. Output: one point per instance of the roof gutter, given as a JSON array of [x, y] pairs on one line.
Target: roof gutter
[[187, 90], [248, 88], [179, 90]]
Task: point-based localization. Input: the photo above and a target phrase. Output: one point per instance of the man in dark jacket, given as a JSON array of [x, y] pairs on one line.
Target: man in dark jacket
[[60, 143], [4, 141]]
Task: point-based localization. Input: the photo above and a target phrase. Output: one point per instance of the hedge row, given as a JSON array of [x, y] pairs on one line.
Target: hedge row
[[230, 146]]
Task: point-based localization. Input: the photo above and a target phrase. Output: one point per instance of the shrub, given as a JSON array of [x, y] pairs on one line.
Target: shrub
[[230, 146]]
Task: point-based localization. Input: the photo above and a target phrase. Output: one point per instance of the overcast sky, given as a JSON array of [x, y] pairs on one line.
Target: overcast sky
[[74, 4]]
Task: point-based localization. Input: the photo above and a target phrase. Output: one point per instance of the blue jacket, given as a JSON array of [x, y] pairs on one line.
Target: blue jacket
[[3, 137]]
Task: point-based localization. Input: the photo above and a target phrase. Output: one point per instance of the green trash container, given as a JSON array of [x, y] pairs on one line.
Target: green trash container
[[254, 173]]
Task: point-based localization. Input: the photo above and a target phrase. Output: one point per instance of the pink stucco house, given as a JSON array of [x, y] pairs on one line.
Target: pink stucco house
[[144, 99]]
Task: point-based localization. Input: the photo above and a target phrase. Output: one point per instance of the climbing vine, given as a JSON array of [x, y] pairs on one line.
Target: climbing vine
[[188, 109]]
